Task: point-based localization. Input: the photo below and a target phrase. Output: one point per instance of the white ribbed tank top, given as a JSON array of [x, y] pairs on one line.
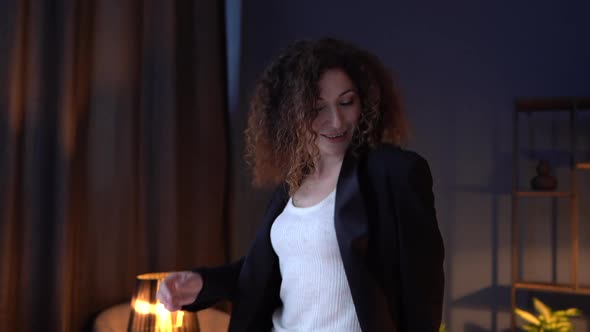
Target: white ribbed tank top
[[314, 291]]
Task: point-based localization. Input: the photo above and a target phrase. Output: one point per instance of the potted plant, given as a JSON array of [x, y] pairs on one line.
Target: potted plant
[[547, 320]]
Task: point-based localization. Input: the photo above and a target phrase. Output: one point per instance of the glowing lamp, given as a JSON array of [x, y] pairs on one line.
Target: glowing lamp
[[148, 314]]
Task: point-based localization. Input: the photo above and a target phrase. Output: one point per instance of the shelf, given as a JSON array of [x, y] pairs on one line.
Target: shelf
[[551, 104], [543, 193], [568, 107], [537, 286]]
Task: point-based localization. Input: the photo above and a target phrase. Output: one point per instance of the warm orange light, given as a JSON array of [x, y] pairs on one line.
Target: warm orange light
[[142, 307], [166, 321]]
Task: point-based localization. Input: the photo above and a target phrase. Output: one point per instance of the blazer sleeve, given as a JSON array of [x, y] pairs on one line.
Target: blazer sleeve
[[421, 251], [219, 284]]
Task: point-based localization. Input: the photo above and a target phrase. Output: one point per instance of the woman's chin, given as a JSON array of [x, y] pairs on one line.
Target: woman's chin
[[333, 150]]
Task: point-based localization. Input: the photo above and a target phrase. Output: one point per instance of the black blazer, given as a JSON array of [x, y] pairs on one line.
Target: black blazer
[[389, 240]]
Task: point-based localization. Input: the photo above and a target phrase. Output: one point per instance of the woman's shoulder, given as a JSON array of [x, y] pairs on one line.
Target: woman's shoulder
[[395, 163], [390, 155]]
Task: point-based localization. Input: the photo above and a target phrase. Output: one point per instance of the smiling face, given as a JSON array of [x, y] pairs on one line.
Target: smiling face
[[338, 109]]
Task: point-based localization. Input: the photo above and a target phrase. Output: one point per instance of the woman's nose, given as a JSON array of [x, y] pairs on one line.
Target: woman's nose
[[336, 118]]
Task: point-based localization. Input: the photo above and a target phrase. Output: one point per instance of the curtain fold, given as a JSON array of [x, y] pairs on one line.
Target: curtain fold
[[113, 152]]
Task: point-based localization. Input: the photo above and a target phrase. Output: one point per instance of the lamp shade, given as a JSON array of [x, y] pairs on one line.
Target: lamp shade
[[148, 314]]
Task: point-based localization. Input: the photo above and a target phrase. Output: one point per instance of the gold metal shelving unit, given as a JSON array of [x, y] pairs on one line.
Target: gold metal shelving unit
[[527, 106]]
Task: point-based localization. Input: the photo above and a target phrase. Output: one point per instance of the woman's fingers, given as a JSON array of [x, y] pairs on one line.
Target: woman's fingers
[[165, 292], [183, 300], [178, 289]]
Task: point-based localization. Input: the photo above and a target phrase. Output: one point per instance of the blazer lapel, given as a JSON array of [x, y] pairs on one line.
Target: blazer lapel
[[352, 232], [260, 277]]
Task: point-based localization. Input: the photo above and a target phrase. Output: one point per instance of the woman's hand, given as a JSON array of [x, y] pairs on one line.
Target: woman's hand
[[179, 288]]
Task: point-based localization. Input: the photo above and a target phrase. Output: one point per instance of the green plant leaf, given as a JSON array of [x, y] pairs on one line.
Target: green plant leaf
[[527, 316], [543, 309], [571, 312]]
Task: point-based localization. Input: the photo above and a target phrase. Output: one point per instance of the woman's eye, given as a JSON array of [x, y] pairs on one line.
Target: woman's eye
[[346, 102], [319, 109]]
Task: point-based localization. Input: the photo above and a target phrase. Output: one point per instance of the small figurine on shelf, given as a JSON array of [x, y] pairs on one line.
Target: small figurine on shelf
[[544, 180]]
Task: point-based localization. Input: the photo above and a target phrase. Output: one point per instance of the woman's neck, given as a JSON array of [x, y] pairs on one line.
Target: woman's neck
[[320, 183], [326, 167]]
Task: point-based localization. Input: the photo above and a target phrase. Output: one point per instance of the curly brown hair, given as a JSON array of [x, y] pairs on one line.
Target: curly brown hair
[[279, 134]]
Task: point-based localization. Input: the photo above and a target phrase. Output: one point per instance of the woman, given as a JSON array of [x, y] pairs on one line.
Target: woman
[[350, 240]]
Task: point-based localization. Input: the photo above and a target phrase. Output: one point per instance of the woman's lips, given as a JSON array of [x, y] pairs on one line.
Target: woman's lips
[[336, 138]]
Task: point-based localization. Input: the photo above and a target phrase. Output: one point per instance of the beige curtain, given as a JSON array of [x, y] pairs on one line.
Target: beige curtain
[[113, 152]]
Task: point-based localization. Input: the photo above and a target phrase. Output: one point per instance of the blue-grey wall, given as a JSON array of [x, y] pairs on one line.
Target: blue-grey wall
[[459, 65]]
